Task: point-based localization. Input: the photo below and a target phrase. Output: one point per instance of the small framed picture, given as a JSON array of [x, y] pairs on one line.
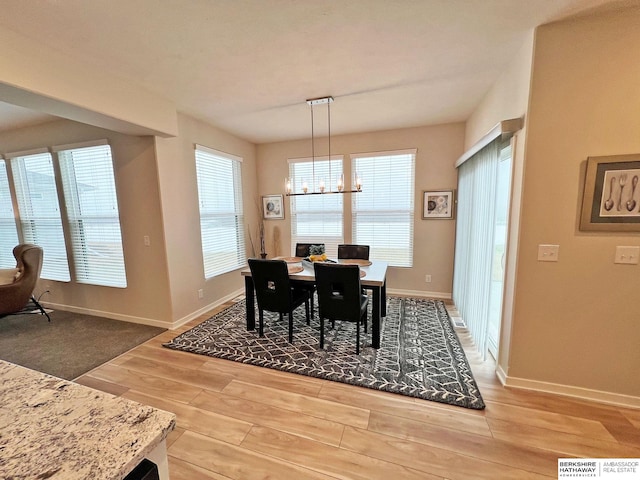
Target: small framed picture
[[611, 198], [437, 204], [272, 207]]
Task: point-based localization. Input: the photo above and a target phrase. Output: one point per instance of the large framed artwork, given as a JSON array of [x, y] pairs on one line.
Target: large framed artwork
[[611, 199], [272, 207], [437, 204]]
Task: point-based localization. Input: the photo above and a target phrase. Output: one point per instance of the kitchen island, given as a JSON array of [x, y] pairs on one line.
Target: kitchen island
[[56, 429]]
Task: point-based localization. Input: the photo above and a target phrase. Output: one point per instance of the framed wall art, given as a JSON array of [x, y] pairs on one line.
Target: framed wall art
[[611, 198], [437, 204], [272, 207]]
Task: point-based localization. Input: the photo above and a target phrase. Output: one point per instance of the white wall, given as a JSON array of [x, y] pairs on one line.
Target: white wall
[[146, 298], [576, 321], [35, 76], [438, 147], [181, 217], [508, 98]]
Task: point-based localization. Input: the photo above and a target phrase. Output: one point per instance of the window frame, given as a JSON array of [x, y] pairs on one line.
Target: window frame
[[102, 265], [55, 266], [9, 237], [331, 241], [377, 248], [212, 268]]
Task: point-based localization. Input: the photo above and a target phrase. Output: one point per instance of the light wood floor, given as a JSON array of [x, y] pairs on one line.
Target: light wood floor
[[239, 421]]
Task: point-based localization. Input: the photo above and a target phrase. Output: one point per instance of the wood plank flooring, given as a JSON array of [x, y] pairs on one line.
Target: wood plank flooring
[[238, 421]]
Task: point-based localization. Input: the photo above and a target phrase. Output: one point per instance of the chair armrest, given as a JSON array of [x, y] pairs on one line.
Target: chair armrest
[[9, 275]]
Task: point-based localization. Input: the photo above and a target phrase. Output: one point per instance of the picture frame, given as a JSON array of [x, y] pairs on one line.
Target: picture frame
[[611, 196], [438, 204], [272, 207]]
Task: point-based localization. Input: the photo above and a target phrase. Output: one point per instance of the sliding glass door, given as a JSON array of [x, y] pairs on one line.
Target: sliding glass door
[[484, 193], [498, 254]]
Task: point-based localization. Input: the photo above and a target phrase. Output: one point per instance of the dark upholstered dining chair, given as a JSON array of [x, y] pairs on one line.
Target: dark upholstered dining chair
[[353, 252], [15, 296], [348, 251], [302, 250], [275, 293], [340, 297]]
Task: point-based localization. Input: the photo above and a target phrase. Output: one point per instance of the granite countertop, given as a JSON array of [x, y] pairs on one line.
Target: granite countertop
[[53, 428]]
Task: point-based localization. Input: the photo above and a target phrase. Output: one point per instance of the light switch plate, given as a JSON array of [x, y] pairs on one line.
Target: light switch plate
[[548, 253], [627, 255]]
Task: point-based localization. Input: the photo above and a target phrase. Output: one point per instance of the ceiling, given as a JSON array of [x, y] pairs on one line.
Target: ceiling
[[247, 66]]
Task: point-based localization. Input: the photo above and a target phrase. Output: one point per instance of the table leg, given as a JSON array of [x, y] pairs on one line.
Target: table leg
[[249, 300], [376, 309], [383, 299]]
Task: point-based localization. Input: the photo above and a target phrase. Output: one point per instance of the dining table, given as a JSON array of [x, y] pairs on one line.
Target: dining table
[[373, 277]]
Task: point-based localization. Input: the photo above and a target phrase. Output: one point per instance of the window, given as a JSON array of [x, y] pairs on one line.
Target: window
[[316, 218], [39, 210], [8, 231], [221, 213], [383, 212], [92, 211]]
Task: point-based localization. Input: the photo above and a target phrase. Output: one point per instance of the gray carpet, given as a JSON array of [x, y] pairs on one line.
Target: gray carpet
[[420, 354], [69, 346]]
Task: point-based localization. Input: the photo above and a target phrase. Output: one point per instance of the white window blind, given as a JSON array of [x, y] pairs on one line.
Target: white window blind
[[475, 229], [383, 212], [39, 210], [92, 210], [8, 231], [316, 218], [221, 212]]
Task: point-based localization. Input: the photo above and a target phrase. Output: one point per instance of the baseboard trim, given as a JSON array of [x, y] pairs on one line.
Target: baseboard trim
[[114, 316], [142, 320], [501, 376], [419, 293], [569, 391], [211, 306]]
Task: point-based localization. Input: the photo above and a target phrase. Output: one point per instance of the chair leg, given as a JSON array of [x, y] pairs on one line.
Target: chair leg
[[306, 308], [290, 327], [321, 332], [357, 338], [42, 310], [365, 322], [260, 323], [281, 317]]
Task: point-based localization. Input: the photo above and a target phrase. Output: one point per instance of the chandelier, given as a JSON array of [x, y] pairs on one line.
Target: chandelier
[[322, 187]]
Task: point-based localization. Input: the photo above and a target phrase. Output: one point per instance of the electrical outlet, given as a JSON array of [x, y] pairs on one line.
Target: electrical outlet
[[628, 255], [548, 253], [200, 294], [427, 278]]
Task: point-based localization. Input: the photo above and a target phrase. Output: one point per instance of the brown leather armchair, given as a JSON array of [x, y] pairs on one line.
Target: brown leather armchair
[[15, 296]]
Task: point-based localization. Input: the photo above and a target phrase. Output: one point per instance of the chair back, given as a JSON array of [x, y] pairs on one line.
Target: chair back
[[339, 291], [360, 252], [15, 296], [302, 249], [272, 284]]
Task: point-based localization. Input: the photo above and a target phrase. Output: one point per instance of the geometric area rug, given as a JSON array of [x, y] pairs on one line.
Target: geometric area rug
[[420, 354]]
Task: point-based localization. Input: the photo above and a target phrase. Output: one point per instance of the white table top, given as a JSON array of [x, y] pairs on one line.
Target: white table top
[[375, 273], [56, 429]]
